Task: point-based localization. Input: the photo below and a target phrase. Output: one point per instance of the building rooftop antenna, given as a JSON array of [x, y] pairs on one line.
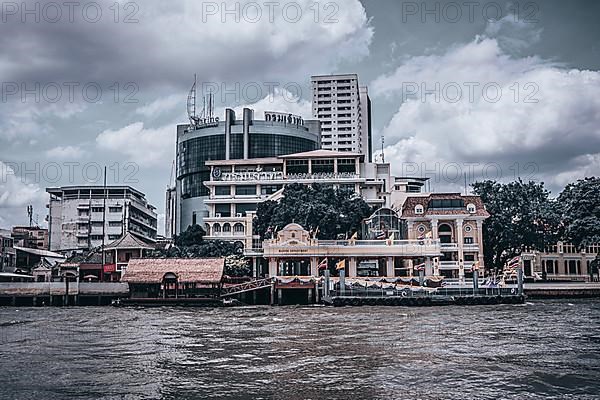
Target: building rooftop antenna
[[30, 214], [191, 105], [382, 152]]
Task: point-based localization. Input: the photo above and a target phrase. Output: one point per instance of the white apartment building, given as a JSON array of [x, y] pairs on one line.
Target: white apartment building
[[344, 110], [78, 218]]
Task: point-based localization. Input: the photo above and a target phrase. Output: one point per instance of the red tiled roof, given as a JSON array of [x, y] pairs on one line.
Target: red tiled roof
[[408, 209], [152, 270]]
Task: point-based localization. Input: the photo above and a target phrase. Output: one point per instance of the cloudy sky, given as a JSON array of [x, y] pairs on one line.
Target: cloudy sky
[[492, 89]]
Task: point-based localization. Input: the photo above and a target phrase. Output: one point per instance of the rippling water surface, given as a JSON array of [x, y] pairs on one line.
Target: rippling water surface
[[539, 350]]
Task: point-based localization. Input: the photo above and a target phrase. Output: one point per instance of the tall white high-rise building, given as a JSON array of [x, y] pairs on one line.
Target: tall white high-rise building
[[344, 109]]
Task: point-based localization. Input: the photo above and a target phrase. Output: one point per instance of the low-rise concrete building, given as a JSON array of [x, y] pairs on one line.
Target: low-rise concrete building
[[561, 262], [30, 236], [85, 217], [8, 254]]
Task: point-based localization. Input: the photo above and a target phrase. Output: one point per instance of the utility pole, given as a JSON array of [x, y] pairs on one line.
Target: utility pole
[[104, 220]]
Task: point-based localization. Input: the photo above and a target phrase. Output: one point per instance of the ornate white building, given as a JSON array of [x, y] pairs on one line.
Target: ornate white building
[[456, 221]]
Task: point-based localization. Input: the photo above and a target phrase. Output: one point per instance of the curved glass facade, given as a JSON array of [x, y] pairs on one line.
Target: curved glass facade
[[193, 152]]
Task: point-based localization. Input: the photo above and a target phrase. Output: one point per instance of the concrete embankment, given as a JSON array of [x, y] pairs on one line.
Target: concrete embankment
[[562, 290], [59, 293]]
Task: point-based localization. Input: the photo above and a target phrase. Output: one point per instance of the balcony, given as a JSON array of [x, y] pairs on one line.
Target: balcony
[[449, 265], [449, 246]]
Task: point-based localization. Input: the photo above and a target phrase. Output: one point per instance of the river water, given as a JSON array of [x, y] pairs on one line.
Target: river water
[[540, 350]]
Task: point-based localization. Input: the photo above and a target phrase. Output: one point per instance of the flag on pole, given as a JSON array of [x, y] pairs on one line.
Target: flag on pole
[[322, 264], [428, 235], [340, 265], [419, 267]]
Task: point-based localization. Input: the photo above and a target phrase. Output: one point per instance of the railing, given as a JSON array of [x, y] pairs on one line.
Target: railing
[[418, 291], [382, 242], [246, 287]]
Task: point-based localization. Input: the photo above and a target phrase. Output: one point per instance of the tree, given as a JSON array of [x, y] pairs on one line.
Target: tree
[[237, 265], [193, 235], [580, 207], [333, 211], [521, 215]]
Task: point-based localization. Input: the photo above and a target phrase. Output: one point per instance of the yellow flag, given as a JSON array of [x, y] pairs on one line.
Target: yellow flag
[[428, 235], [340, 265], [355, 236]]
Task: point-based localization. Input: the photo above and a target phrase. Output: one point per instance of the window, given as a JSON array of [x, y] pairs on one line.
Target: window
[[115, 209], [226, 228], [223, 190], [418, 209], [245, 190], [322, 166], [97, 209], [471, 208], [238, 228], [297, 166], [223, 209], [269, 189], [468, 228], [244, 208], [445, 203], [421, 228], [468, 240]]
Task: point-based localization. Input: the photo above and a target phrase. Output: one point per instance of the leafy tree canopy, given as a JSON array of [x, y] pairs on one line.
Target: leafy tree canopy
[[522, 215], [580, 208], [192, 236], [333, 211]]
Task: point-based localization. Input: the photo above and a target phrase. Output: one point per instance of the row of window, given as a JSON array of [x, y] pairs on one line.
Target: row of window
[[571, 267]]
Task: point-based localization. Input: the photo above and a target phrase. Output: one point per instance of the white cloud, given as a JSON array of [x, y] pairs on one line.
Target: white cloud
[[554, 120], [16, 195], [162, 105], [282, 101], [141, 145], [65, 153]]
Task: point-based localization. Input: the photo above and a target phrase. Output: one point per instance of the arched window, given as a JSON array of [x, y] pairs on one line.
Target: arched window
[[216, 228], [238, 228], [471, 208], [445, 233], [226, 228], [418, 209]]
